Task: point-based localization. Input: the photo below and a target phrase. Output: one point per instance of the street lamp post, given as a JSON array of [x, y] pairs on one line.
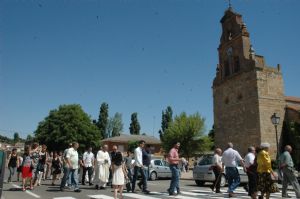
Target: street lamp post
[[275, 121]]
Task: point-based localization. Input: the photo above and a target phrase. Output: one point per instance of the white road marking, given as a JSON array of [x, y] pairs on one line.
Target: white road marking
[[193, 193], [28, 192], [64, 197], [100, 197], [138, 196]]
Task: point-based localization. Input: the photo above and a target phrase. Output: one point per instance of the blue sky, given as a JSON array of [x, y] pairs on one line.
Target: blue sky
[[136, 55]]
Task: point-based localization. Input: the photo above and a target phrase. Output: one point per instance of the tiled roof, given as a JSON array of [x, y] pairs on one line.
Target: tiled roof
[[124, 138], [292, 99], [291, 107]]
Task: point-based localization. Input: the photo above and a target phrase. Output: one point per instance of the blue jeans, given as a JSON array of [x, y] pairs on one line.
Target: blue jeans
[[175, 179], [74, 178], [140, 170], [233, 178], [65, 177]]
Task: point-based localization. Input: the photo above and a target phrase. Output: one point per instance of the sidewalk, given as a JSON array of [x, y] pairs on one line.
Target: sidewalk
[[187, 175]]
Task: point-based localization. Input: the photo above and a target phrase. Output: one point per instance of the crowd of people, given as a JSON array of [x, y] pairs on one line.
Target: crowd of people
[[115, 170], [257, 165], [104, 169]]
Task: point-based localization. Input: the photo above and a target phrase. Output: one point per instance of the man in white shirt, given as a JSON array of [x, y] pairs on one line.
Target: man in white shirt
[[102, 168], [251, 171], [217, 169], [230, 158], [139, 167], [72, 161], [88, 160]]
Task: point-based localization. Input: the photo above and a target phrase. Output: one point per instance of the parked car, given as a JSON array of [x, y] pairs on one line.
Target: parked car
[[158, 168], [202, 172]]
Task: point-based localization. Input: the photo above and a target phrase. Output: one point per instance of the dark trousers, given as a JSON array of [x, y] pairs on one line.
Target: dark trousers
[[90, 173], [252, 182], [140, 170], [217, 182]]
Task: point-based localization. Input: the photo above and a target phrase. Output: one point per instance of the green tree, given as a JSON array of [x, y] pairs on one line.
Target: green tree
[[134, 125], [29, 139], [67, 124], [132, 145], [16, 137], [211, 135], [291, 136], [166, 119], [115, 125], [103, 120], [189, 131]]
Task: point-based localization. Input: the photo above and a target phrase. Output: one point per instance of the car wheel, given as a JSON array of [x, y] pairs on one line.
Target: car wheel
[[153, 176], [199, 183], [223, 181]]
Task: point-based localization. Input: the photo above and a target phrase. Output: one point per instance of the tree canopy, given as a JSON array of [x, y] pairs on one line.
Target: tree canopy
[[166, 119], [189, 131], [134, 125], [67, 124], [115, 125], [103, 120]]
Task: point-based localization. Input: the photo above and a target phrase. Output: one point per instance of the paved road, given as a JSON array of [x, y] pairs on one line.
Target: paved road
[[158, 190]]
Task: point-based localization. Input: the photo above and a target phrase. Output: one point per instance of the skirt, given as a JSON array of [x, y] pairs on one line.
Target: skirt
[[266, 184], [26, 172]]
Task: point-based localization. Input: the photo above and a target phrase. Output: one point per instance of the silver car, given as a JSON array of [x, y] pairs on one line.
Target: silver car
[[202, 172], [159, 168]]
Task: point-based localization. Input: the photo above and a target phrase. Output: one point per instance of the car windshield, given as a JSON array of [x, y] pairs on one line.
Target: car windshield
[[207, 160]]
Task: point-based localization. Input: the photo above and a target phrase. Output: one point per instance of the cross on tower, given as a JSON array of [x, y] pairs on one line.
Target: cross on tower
[[229, 3]]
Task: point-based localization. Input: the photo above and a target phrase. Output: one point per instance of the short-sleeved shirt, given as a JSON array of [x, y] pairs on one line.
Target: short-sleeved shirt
[[264, 162], [230, 157], [173, 154], [286, 158], [249, 159], [217, 160], [88, 159], [72, 155]]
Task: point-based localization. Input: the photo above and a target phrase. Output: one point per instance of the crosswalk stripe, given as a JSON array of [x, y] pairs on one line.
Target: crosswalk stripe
[[193, 193], [100, 197], [183, 197], [64, 197], [138, 196]]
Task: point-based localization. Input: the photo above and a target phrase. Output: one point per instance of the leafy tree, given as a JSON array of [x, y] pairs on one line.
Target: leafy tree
[[166, 119], [189, 131], [67, 124], [211, 135], [115, 125], [16, 137], [103, 120], [291, 136], [29, 139], [134, 125], [132, 145]]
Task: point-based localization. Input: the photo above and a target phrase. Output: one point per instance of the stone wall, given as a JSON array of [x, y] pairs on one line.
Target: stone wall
[[236, 112], [271, 100]]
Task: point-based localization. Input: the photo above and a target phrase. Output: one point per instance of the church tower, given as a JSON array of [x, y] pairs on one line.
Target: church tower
[[246, 91]]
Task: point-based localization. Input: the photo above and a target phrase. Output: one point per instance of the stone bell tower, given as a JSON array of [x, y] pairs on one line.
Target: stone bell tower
[[246, 91]]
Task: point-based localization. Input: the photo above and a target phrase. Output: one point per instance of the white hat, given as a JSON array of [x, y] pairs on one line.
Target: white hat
[[265, 145]]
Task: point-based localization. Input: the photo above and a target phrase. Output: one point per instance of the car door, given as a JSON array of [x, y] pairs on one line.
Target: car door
[[167, 170], [158, 167]]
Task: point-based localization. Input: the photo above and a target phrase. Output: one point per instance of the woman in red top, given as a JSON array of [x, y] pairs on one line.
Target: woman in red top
[[27, 166]]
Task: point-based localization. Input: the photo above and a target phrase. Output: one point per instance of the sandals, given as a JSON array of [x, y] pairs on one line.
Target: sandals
[[23, 189]]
